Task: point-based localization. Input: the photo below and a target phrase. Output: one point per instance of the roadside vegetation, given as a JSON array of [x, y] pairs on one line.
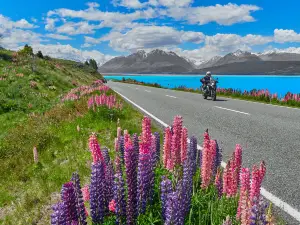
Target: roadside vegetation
[[264, 96]]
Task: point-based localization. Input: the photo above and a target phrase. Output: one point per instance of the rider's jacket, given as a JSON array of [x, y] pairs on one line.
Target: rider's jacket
[[206, 80]]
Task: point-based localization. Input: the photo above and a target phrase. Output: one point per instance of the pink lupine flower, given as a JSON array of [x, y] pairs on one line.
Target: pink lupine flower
[[208, 155], [184, 138], [170, 164], [95, 149], [112, 206], [167, 146], [243, 208], [85, 193], [116, 144], [119, 132], [176, 138], [127, 141], [227, 179], [146, 131], [35, 155], [255, 183], [238, 161]]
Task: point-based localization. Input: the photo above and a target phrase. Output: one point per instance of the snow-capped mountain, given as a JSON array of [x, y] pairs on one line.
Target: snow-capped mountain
[[156, 61]]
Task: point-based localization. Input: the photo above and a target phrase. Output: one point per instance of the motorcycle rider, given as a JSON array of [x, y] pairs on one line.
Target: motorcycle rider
[[206, 79]]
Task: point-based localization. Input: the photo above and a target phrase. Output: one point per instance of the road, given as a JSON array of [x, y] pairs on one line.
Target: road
[[266, 132]]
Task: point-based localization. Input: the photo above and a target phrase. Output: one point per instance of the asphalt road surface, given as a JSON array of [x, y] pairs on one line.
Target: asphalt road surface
[[266, 132]]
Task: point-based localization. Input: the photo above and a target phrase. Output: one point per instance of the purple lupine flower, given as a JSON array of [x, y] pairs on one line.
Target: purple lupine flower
[[217, 159], [119, 197], [157, 145], [97, 192], [172, 210], [187, 186], [193, 152], [79, 199], [199, 159], [136, 145], [121, 145], [109, 183], [68, 197], [105, 155], [258, 212], [58, 217], [144, 176], [166, 188], [152, 168], [131, 164]]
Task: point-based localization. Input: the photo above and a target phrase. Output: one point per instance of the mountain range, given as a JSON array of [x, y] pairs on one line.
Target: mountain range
[[239, 62]]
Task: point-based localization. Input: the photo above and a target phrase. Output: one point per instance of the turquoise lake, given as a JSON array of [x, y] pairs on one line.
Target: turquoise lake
[[275, 84]]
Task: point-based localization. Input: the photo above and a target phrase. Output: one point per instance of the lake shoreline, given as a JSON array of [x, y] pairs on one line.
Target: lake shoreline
[[189, 75]]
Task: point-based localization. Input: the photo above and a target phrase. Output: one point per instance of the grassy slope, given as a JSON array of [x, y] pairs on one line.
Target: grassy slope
[[25, 187]]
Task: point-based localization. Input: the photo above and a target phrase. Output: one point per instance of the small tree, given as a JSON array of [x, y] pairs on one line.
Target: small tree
[[93, 64], [39, 54], [86, 63]]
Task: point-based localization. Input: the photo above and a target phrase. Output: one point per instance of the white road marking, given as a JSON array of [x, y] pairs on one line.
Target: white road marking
[[137, 88], [276, 201], [147, 91], [171, 96], [232, 110]]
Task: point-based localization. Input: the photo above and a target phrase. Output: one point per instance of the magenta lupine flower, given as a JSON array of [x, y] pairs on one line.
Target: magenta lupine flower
[[244, 193], [184, 138], [95, 149], [58, 217], [234, 178], [166, 189], [85, 193], [144, 176], [227, 179], [68, 196], [112, 206], [79, 199], [97, 192], [256, 181], [167, 146], [238, 161], [176, 138], [131, 163], [127, 141], [119, 197]]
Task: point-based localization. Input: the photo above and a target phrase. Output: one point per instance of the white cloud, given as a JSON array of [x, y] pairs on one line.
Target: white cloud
[[7, 23], [148, 37], [282, 36], [132, 4], [58, 36], [72, 28], [222, 14], [71, 53], [93, 5], [50, 23], [173, 3]]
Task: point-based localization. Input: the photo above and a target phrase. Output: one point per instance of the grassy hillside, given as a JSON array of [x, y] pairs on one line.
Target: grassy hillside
[[32, 114]]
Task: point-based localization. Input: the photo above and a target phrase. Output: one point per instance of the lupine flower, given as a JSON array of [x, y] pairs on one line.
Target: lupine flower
[[176, 138], [244, 193], [167, 146], [79, 199], [95, 149], [121, 148], [208, 155], [218, 159], [227, 179], [119, 197], [258, 212], [68, 196], [172, 210], [112, 206], [136, 144], [157, 146], [144, 175], [127, 141], [218, 183], [146, 131], [97, 192], [234, 178], [193, 152], [119, 132], [58, 217], [257, 178], [238, 161], [227, 221], [105, 155], [109, 183], [166, 189], [85, 193], [116, 145], [35, 155], [184, 138], [131, 163]]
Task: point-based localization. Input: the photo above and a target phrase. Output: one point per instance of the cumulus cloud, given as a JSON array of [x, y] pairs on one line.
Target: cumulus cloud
[[58, 37], [133, 4], [50, 23], [71, 53], [7, 23], [282, 36], [148, 37], [72, 28], [93, 5], [222, 14]]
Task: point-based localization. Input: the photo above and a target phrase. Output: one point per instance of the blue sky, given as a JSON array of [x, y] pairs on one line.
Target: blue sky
[[199, 29]]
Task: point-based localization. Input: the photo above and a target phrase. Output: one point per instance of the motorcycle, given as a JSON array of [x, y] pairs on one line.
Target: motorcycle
[[210, 90]]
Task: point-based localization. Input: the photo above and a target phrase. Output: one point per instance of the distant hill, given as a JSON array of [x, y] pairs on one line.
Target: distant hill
[[156, 61]]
